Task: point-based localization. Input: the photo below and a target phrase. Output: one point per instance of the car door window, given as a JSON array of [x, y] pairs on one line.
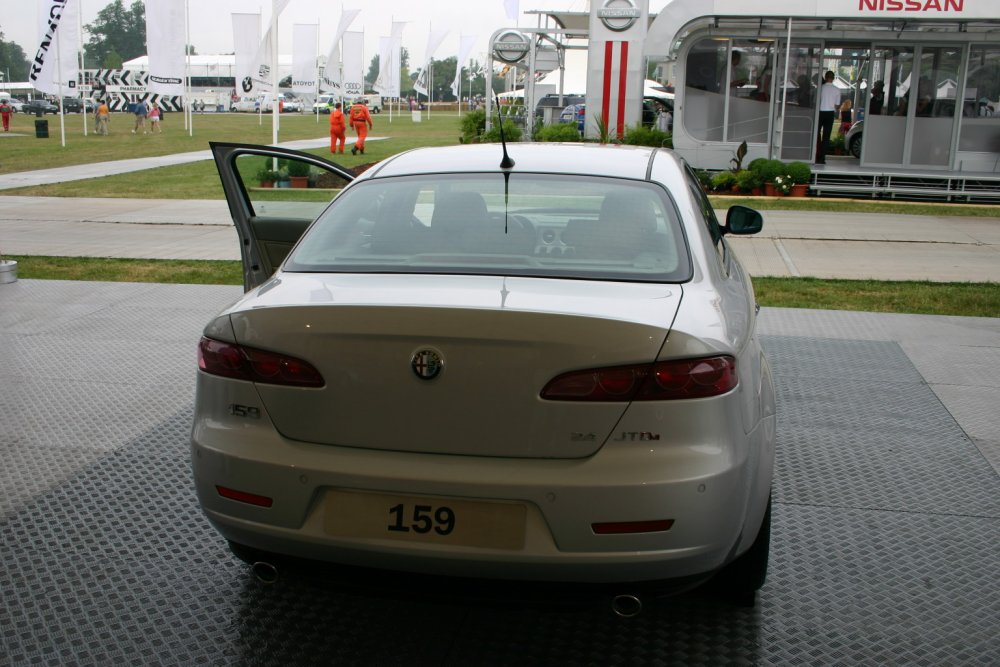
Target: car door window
[[707, 216]]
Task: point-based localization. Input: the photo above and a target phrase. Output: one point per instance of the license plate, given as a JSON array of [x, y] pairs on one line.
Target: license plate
[[428, 519]]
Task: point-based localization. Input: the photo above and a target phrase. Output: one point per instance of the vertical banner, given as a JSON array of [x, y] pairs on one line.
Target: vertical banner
[[332, 77], [260, 71], [465, 44], [389, 49], [304, 73], [615, 65], [434, 39], [59, 39], [165, 46], [354, 63], [246, 39], [512, 9]]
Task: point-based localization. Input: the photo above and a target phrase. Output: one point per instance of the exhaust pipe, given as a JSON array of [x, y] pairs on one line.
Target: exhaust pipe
[[626, 606], [266, 573]]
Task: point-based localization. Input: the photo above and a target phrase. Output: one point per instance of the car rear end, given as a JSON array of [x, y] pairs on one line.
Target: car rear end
[[533, 400]]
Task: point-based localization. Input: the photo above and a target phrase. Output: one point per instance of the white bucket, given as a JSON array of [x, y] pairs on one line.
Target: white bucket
[[8, 271]]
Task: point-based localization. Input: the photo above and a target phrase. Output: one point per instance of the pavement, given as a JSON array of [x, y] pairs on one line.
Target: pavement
[[792, 244]]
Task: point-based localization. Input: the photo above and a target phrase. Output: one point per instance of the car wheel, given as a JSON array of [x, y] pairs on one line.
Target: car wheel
[[746, 575], [855, 146]]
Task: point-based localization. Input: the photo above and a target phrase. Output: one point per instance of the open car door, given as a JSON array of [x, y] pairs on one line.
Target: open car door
[[274, 194]]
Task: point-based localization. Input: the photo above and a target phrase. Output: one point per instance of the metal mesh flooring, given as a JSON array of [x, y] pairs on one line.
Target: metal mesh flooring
[[884, 550]]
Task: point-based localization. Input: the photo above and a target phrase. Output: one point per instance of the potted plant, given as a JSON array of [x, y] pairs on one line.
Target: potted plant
[[723, 181], [8, 270], [782, 185], [267, 176], [298, 173], [749, 181], [769, 170], [801, 174]]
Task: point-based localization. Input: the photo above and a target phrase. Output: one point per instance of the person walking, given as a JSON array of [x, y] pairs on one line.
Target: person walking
[[102, 115], [338, 129], [5, 110], [141, 111], [829, 102], [154, 120], [361, 121]]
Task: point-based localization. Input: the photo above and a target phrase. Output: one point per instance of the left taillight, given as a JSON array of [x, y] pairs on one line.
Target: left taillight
[[661, 381], [246, 363]]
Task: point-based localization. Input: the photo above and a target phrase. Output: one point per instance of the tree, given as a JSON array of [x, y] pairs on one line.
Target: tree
[[13, 61], [116, 30]]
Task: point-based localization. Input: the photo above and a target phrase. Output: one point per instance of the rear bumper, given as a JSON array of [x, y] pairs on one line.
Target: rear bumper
[[706, 488]]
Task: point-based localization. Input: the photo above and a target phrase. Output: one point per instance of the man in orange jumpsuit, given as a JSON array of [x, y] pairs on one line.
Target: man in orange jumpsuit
[[361, 121], [338, 127]]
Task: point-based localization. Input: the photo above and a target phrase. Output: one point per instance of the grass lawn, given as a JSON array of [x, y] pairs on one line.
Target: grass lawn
[[928, 298], [199, 180]]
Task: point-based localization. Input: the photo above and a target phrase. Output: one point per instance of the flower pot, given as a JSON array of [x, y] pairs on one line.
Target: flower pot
[[267, 184], [757, 192], [299, 181], [799, 190], [8, 271], [769, 189], [283, 184]]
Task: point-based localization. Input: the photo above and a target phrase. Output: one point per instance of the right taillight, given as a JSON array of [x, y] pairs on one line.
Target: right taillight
[[662, 381], [253, 365]]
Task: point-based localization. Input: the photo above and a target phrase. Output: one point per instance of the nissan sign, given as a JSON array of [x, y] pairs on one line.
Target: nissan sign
[[618, 15], [510, 47]]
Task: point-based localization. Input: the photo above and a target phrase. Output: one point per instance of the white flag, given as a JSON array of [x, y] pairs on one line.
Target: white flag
[[420, 85], [60, 38], [465, 44], [304, 75], [246, 39], [354, 65], [278, 6], [512, 9], [260, 72], [165, 46], [332, 71], [389, 48], [434, 40]]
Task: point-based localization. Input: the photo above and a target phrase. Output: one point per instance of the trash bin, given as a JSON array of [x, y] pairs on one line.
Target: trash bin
[[42, 128]]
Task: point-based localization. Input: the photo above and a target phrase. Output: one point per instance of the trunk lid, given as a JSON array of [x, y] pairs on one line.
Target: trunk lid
[[500, 341]]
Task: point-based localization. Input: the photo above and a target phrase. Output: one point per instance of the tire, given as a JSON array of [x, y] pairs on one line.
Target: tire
[[855, 146], [746, 575]]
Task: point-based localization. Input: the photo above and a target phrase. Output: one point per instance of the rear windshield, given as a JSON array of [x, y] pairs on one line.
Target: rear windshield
[[485, 224]]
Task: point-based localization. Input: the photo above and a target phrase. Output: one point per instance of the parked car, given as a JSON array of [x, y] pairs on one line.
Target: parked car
[[574, 113], [72, 105], [324, 104], [853, 138], [39, 105], [16, 105], [544, 371], [290, 104]]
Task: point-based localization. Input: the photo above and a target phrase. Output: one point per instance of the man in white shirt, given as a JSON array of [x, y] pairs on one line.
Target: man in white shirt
[[829, 100]]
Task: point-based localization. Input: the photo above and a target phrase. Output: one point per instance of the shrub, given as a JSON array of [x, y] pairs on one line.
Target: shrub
[[705, 178], [647, 136], [559, 132], [771, 169], [511, 132], [748, 180], [756, 164], [298, 168], [473, 124], [799, 171], [723, 181]]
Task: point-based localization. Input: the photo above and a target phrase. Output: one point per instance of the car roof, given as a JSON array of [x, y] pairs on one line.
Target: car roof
[[559, 158]]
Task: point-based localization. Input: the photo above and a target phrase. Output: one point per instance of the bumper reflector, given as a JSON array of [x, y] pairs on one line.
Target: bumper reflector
[[623, 527], [244, 497]]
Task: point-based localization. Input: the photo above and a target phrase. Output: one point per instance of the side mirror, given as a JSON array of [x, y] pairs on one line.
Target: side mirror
[[741, 220]]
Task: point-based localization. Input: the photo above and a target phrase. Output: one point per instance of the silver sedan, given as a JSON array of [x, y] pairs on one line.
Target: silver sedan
[[545, 371]]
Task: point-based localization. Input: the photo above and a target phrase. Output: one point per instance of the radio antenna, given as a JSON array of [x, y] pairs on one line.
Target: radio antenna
[[506, 162]]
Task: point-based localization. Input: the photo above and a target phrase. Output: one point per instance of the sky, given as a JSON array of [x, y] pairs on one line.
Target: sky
[[211, 23]]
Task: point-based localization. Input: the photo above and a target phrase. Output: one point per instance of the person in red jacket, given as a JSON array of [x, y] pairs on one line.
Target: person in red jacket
[[361, 121], [338, 127], [5, 110]]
